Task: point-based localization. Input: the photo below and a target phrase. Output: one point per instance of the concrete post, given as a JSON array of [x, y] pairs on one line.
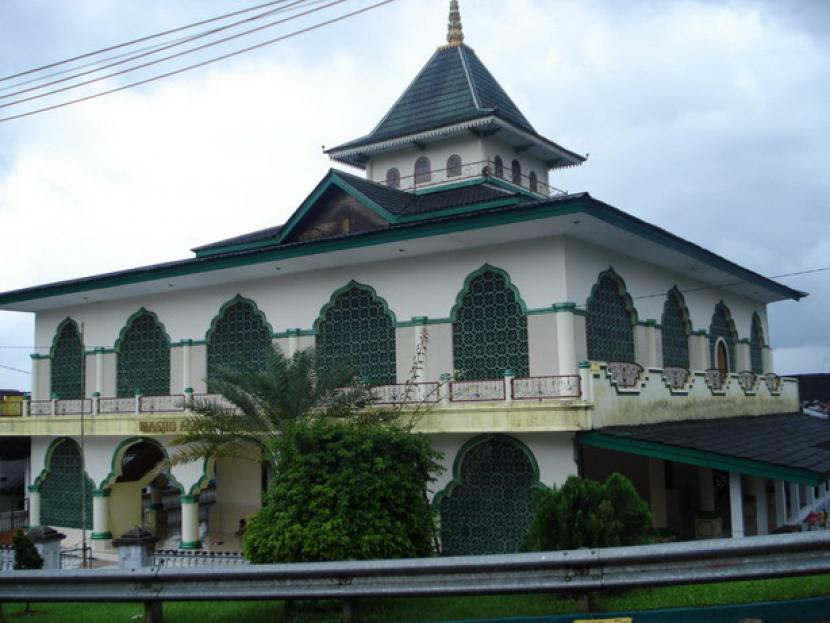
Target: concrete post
[[34, 507], [780, 504], [767, 361], [565, 340], [657, 491], [293, 341], [762, 518], [190, 522], [186, 373], [135, 548], [651, 334], [101, 515], [508, 376], [586, 380], [444, 390], [795, 501], [742, 356], [99, 371], [736, 505], [25, 408], [48, 543], [707, 489]]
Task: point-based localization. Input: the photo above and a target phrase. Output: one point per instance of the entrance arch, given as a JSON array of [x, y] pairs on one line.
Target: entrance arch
[[487, 507]]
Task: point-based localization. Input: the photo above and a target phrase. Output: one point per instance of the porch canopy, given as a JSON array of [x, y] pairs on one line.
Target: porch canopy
[[790, 446]]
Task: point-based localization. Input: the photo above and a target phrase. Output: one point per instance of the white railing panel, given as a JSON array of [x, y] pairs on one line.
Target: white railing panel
[[217, 399], [73, 407], [542, 387], [161, 404], [40, 407], [181, 558], [406, 393], [477, 391], [117, 405], [6, 558]]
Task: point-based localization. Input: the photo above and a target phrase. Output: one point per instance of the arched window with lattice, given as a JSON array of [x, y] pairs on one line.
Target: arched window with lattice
[[533, 182], [357, 330], [60, 486], [423, 170], [676, 328], [489, 328], [67, 369], [756, 345], [723, 327], [143, 357], [488, 506], [393, 178], [498, 166], [454, 166], [516, 173], [609, 321], [239, 338]]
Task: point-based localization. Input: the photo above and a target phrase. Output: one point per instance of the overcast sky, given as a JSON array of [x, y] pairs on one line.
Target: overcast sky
[[708, 118]]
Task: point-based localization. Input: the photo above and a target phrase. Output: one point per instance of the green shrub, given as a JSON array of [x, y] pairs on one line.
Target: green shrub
[[352, 489], [586, 513], [26, 555]]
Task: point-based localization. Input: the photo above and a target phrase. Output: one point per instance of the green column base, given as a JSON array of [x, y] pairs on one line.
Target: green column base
[[101, 536], [190, 545]]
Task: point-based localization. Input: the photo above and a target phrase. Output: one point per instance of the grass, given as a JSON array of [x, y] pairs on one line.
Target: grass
[[435, 609]]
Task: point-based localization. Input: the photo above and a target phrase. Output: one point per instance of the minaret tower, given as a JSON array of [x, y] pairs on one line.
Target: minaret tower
[[454, 124]]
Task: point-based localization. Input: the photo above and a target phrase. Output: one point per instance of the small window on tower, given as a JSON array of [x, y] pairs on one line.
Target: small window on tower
[[454, 166], [534, 183], [498, 165], [393, 178], [516, 173], [423, 170]]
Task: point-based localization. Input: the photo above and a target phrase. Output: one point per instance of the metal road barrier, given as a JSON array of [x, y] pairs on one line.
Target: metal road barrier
[[580, 571]]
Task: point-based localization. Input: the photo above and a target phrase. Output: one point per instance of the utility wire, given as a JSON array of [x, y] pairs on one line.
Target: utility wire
[[14, 369], [140, 40], [152, 50], [159, 60], [200, 64]]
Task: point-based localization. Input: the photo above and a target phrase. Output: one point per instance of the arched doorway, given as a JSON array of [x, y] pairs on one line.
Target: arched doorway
[[487, 507], [722, 358]]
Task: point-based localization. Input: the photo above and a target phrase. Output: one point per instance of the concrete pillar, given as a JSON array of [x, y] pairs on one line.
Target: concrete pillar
[[190, 522], [99, 371], [565, 339], [36, 380], [795, 500], [657, 491], [293, 341], [652, 339], [766, 358], [736, 505], [780, 504], [586, 380], [742, 357], [761, 515], [699, 358], [187, 382], [707, 489], [34, 507], [48, 544], [101, 515]]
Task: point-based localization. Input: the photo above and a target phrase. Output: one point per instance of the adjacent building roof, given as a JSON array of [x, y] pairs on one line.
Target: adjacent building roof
[[791, 446]]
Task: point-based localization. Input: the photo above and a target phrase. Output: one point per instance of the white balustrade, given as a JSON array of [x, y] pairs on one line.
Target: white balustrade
[[542, 387], [477, 391], [406, 393], [40, 407], [161, 404], [117, 405], [73, 407]]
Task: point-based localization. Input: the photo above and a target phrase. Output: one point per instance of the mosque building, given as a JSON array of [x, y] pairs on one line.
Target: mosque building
[[578, 338]]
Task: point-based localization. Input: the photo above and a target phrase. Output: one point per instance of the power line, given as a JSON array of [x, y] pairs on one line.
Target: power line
[[159, 60], [14, 369], [149, 51], [140, 40], [200, 64]]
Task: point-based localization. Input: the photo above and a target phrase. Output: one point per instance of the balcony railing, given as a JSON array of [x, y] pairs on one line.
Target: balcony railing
[[546, 387], [472, 170], [116, 405], [477, 391], [407, 393]]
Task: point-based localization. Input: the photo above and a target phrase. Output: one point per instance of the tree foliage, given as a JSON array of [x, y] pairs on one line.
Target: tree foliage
[[586, 513], [26, 555], [346, 489]]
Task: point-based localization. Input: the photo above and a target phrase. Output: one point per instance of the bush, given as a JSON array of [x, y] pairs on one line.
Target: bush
[[353, 489], [26, 555], [586, 513]]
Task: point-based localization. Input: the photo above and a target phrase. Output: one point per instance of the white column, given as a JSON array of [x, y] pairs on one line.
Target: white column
[[736, 505], [780, 504], [795, 501], [657, 491], [35, 381], [811, 497], [651, 345], [707, 489], [101, 515], [742, 357], [565, 340], [586, 380], [190, 522], [187, 383], [761, 515], [766, 355], [99, 371], [34, 508], [293, 341]]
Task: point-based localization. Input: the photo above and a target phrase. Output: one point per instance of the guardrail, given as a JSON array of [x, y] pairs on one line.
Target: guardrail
[[574, 571]]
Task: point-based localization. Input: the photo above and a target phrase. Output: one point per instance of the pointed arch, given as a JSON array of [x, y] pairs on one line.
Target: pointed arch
[[116, 464], [533, 182], [59, 484], [487, 506], [489, 326], [516, 172], [357, 329], [239, 336], [423, 170], [610, 319], [498, 167], [676, 328], [143, 356], [66, 373], [722, 327], [757, 344], [454, 166]]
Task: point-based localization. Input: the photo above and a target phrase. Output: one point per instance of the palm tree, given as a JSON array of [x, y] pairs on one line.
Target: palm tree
[[260, 406]]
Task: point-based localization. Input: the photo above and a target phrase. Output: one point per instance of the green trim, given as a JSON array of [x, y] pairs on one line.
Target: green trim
[[236, 299], [541, 311], [132, 318], [58, 330], [584, 365], [33, 488], [190, 545], [419, 321], [189, 499], [466, 448], [622, 291], [101, 536], [459, 298], [742, 340], [294, 333], [96, 394], [101, 493], [700, 333], [476, 181], [648, 323], [181, 343], [700, 458], [342, 290], [39, 357], [208, 466], [564, 307], [103, 351]]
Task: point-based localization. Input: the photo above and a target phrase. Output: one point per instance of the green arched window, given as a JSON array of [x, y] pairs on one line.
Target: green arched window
[[60, 504], [143, 357], [67, 369], [722, 327], [489, 508], [675, 333], [239, 338], [357, 330], [756, 345], [608, 323], [489, 329]]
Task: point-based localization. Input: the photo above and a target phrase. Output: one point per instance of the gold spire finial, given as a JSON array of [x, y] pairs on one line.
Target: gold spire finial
[[455, 34]]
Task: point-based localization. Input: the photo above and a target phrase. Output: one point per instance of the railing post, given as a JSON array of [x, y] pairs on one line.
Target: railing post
[[188, 398], [96, 403], [24, 408], [54, 404], [444, 389], [508, 375], [586, 381], [137, 407]]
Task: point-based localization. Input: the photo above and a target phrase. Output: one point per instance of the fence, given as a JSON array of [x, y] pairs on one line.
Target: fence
[[182, 558], [584, 570], [13, 520]]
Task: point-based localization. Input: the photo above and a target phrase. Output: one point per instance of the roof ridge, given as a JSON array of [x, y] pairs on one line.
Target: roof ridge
[[473, 87]]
